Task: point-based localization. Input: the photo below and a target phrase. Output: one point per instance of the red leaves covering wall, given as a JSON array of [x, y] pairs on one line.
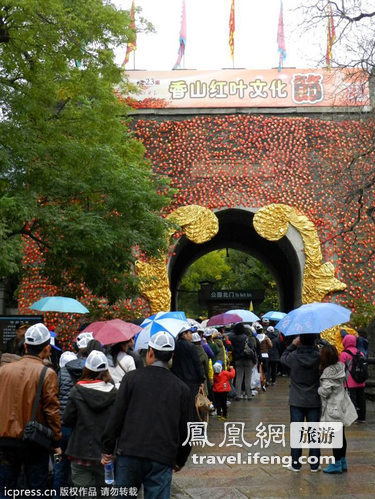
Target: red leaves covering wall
[[251, 161]]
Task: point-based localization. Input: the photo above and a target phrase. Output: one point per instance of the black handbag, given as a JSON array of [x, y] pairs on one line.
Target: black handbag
[[35, 432]]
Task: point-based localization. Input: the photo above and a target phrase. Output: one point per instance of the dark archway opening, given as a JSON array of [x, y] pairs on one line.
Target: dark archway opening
[[236, 231]]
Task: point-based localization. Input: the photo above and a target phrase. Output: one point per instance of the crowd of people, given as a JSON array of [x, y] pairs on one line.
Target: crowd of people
[[99, 405]]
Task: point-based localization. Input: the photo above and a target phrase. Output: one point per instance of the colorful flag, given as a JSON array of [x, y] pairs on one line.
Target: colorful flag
[[331, 35], [181, 49], [231, 30], [131, 46], [280, 38]]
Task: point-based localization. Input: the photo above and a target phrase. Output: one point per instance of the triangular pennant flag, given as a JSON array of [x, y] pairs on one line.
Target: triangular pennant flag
[[131, 46], [281, 38], [232, 26], [181, 49]]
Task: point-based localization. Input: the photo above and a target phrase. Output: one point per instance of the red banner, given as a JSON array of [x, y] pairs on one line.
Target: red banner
[[249, 88]]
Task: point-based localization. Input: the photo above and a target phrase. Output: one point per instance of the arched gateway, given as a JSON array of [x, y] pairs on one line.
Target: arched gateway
[[236, 230]]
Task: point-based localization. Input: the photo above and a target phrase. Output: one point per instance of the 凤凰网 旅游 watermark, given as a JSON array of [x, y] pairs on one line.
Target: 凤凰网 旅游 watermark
[[310, 435]]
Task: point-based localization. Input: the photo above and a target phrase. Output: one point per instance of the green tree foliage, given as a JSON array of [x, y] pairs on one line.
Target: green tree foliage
[[72, 177], [232, 270]]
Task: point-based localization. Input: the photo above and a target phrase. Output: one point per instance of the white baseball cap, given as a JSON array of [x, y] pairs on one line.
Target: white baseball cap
[[265, 321], [37, 334], [162, 341], [66, 357], [83, 339], [270, 329], [187, 327], [96, 361], [208, 331], [195, 338]]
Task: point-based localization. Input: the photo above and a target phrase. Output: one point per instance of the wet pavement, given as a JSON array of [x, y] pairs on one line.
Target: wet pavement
[[239, 480]]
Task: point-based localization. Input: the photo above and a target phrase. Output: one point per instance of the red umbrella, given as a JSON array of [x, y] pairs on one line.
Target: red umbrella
[[223, 319], [113, 331]]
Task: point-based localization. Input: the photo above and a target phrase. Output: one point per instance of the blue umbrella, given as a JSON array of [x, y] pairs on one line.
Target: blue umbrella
[[172, 322], [245, 315], [313, 318], [274, 316], [59, 304], [53, 341]]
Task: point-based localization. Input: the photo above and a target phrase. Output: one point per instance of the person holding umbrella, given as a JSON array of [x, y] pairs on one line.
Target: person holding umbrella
[[302, 358]]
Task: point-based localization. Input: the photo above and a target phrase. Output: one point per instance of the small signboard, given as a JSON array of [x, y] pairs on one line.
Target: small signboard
[[8, 326]]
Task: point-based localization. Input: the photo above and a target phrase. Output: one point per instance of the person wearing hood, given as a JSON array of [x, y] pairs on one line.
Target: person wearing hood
[[87, 412], [303, 359], [336, 403], [356, 390]]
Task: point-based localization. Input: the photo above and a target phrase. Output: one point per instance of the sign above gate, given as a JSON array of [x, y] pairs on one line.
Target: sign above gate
[[243, 88]]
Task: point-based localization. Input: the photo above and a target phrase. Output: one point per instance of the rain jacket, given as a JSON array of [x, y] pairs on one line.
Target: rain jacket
[[303, 362], [221, 380], [18, 384], [68, 377], [349, 341], [87, 412], [336, 403]]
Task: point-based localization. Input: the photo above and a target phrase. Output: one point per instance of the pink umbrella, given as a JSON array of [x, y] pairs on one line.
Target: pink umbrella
[[223, 319], [112, 331]]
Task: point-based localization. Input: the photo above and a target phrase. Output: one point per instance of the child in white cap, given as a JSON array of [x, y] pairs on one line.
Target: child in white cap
[[87, 412], [221, 388]]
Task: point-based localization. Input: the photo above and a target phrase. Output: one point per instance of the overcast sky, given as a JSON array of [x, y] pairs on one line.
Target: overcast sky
[[208, 30]]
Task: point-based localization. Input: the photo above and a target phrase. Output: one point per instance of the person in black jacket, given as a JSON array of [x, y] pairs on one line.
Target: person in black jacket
[[87, 412], [186, 364], [243, 364], [273, 353], [149, 421], [303, 359]]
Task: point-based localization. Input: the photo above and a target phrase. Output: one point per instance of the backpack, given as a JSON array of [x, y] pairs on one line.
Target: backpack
[[248, 351], [358, 367]]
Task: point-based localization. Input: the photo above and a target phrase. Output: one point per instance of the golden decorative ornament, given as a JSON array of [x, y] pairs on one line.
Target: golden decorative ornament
[[333, 335], [199, 225], [272, 222]]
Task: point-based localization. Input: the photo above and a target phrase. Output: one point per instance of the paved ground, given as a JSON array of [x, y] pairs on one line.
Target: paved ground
[[273, 480]]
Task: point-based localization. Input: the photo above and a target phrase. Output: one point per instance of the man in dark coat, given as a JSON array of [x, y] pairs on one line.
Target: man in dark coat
[[186, 364], [149, 421]]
